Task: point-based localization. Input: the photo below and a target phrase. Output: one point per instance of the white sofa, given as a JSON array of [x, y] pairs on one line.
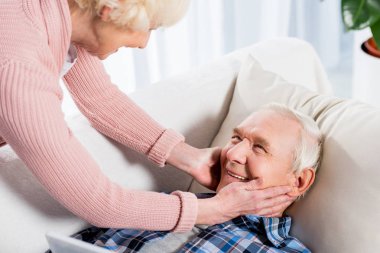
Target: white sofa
[[340, 214]]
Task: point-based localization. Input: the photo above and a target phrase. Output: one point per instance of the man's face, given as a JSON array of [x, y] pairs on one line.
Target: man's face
[[261, 147]]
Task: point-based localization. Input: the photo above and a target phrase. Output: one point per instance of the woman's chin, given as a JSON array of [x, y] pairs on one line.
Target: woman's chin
[[102, 56]]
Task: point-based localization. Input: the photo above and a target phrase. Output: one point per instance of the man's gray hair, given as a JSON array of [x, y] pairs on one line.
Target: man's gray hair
[[308, 152]]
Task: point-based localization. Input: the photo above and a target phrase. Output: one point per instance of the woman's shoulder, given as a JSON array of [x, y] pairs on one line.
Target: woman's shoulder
[[20, 35], [30, 30]]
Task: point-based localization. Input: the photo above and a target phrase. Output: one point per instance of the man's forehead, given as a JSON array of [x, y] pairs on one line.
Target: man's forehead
[[266, 122], [267, 116]]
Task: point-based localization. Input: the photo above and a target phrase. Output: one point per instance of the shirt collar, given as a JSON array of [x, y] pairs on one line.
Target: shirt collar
[[276, 229]]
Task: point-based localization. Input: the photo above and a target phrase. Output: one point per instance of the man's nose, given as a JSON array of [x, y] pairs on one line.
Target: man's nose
[[239, 152]]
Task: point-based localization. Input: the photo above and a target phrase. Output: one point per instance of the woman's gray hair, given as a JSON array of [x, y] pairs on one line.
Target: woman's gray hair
[[140, 15], [308, 152]]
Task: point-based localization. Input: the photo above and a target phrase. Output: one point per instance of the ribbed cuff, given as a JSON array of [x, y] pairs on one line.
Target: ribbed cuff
[[189, 211], [164, 145]]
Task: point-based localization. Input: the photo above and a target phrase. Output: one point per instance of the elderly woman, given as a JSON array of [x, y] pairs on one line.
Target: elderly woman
[[45, 40]]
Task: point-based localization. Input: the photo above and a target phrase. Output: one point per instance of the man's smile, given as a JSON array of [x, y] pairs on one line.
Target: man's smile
[[236, 176]]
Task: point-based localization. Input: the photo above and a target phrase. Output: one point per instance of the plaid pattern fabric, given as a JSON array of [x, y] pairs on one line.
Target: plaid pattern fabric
[[246, 234], [243, 234]]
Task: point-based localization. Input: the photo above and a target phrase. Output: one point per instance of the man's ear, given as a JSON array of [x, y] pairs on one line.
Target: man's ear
[[303, 181], [105, 13]]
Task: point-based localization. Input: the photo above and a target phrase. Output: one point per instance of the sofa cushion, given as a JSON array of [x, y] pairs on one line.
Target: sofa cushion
[[341, 211]]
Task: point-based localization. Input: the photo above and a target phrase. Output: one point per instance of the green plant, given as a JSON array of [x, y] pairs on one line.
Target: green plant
[[359, 14]]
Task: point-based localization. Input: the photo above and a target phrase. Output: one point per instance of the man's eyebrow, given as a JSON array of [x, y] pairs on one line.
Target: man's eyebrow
[[257, 139], [262, 141]]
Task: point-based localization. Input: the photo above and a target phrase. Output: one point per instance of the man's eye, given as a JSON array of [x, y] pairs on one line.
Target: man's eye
[[259, 148], [235, 138]]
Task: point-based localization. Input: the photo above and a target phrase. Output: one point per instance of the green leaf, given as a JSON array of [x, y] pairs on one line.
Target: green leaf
[[374, 5], [374, 10], [375, 29], [356, 14]]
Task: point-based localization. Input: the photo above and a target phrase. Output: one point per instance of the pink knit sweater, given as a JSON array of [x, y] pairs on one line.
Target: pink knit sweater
[[34, 41]]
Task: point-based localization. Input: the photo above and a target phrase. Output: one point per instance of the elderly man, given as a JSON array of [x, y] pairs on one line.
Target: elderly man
[[275, 146]]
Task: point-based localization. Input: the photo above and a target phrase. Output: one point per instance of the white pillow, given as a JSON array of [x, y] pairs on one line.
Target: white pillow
[[341, 212]]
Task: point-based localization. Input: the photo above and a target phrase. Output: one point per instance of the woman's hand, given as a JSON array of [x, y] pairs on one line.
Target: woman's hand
[[238, 199], [202, 164], [206, 169]]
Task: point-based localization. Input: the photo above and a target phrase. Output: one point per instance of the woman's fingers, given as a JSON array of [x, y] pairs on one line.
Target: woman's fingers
[[275, 211], [235, 199], [265, 203], [275, 191], [254, 184], [269, 201]]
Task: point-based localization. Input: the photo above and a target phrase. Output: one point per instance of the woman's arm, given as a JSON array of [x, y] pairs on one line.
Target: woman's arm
[[114, 114], [33, 124]]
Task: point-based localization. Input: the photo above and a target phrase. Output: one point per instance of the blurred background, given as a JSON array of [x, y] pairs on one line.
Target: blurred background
[[212, 28]]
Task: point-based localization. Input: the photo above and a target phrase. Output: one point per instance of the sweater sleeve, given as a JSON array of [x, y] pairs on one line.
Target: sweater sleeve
[[33, 124], [114, 114]]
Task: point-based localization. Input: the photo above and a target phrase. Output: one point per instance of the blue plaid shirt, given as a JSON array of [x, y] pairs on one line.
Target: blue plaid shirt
[[247, 233]]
